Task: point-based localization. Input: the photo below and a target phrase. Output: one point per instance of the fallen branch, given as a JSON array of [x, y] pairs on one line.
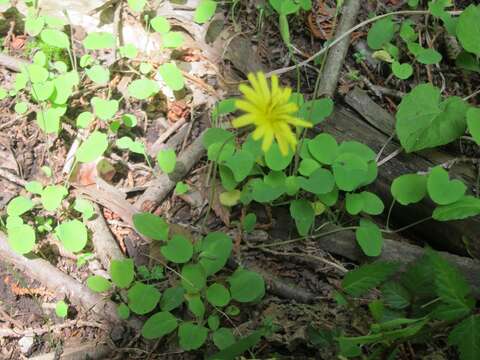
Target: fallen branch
[[106, 246], [60, 283], [12, 63], [16, 333], [336, 55], [164, 184], [89, 351]]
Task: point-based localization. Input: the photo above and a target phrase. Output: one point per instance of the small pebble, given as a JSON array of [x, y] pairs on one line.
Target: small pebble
[[26, 344]]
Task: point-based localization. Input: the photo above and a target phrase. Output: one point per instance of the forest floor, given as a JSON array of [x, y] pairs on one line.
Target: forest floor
[[302, 277]]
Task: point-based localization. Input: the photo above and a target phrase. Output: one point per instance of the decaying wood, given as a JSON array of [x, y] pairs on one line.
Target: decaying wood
[[90, 351], [460, 237], [106, 247], [344, 243], [60, 283], [12, 63], [336, 55], [164, 184]]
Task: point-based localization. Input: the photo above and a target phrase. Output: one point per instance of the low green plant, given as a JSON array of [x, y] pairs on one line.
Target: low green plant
[[430, 298], [198, 284]]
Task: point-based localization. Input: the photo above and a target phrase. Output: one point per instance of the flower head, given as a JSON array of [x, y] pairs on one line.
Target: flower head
[[269, 110]]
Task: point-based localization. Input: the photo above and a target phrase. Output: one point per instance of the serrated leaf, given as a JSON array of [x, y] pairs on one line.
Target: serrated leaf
[[357, 282], [466, 336]]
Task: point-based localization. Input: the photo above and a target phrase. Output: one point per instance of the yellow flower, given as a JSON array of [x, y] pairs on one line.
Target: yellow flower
[[269, 110]]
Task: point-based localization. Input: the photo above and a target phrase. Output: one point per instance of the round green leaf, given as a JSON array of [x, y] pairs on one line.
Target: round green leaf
[[369, 238], [73, 235], [428, 56], [84, 119], [213, 322], [316, 111], [204, 11], [99, 40], [178, 249], [473, 122], [304, 215], [34, 187], [52, 196], [181, 188], [37, 73], [55, 38], [129, 51], [167, 160], [21, 107], [158, 325], [49, 120], [194, 278], [160, 24], [323, 148], [320, 182], [104, 109], [230, 198], [349, 171], [142, 298], [121, 272], [308, 166], [249, 222], [354, 203], [137, 5], [172, 76], [402, 71], [468, 29], [33, 26], [43, 90], [215, 251], [246, 286], [142, 89], [372, 204], [409, 189], [172, 39], [218, 295], [442, 190], [381, 33], [151, 226], [21, 238], [172, 298], [241, 164], [98, 74], [98, 283], [123, 311], [275, 160], [92, 148], [61, 309], [19, 206], [223, 338], [191, 336]]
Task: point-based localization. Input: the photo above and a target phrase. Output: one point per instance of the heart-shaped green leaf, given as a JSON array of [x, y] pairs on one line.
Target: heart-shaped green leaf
[[142, 89], [323, 148], [172, 76], [21, 238], [55, 38], [104, 109], [409, 189], [158, 325], [160, 24], [122, 272], [402, 71], [98, 74], [72, 234], [98, 283], [19, 206], [52, 196], [151, 226], [204, 11], [218, 295], [246, 286], [92, 148], [424, 122], [167, 160], [304, 215], [369, 238], [99, 40], [178, 249], [317, 110], [142, 298], [442, 190]]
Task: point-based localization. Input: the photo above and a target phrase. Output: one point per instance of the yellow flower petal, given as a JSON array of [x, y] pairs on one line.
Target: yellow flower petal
[[250, 94], [298, 122], [262, 80], [243, 120], [259, 132], [267, 141], [246, 106]]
